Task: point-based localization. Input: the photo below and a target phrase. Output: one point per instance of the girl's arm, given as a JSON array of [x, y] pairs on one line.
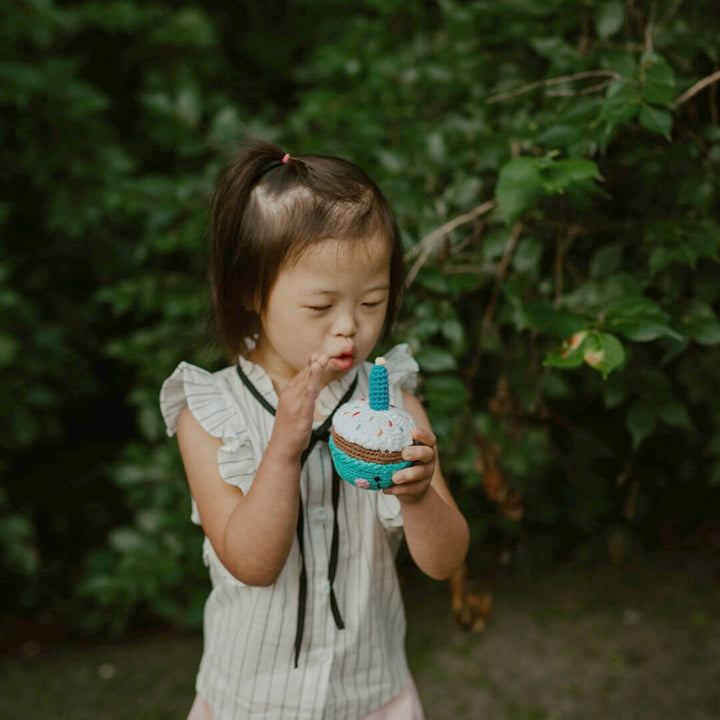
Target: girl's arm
[[436, 532], [252, 533]]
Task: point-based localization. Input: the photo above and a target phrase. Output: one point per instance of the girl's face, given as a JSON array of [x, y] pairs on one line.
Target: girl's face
[[332, 301]]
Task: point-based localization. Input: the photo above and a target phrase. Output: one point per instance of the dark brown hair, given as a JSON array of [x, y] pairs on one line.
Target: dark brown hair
[[267, 212]]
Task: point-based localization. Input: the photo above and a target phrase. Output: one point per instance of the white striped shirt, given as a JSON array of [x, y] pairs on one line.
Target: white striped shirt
[[247, 670]]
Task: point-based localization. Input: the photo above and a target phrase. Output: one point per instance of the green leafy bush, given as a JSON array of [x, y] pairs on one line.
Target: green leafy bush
[[554, 166], [554, 169], [110, 124]]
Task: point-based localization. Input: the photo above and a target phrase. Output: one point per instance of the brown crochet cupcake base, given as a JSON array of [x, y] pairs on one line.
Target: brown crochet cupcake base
[[382, 457]]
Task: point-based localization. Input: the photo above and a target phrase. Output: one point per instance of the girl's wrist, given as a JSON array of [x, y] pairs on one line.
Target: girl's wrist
[[416, 501], [279, 453], [412, 499]]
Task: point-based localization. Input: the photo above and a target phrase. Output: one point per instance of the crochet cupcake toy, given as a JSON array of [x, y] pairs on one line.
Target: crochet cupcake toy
[[368, 435]]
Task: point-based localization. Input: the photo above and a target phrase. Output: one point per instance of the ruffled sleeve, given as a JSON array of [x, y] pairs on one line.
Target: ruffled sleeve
[[402, 375], [402, 369], [213, 406]]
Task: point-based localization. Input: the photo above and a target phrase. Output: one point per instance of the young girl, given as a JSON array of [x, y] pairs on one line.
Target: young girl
[[305, 617]]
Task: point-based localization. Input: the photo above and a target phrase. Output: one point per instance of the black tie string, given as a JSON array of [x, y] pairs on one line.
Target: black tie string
[[321, 434]]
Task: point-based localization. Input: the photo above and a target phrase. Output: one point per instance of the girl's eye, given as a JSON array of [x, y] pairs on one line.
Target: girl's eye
[[318, 308], [372, 304]]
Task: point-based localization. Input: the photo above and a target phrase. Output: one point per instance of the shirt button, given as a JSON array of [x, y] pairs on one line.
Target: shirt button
[[324, 587], [320, 514]]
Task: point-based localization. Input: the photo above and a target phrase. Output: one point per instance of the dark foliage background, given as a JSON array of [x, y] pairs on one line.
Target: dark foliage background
[[554, 166]]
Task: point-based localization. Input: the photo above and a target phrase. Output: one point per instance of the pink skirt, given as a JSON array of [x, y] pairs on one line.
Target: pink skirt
[[405, 706]]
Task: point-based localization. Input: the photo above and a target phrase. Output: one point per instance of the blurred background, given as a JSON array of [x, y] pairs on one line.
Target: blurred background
[[554, 168]]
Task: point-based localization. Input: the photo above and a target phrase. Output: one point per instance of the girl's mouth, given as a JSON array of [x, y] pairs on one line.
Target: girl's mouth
[[342, 362]]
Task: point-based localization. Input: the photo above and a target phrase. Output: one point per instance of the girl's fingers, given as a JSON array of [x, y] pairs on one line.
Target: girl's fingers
[[424, 436], [408, 488], [313, 373], [296, 406], [307, 381], [419, 454], [415, 473], [416, 478]]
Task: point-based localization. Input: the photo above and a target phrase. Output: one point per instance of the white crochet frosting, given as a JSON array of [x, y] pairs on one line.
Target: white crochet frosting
[[388, 430]]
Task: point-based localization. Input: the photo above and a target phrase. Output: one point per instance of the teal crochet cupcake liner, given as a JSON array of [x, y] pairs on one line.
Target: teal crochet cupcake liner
[[363, 474]]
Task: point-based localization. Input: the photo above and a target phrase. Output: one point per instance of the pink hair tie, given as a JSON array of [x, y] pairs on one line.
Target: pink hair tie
[[286, 158]]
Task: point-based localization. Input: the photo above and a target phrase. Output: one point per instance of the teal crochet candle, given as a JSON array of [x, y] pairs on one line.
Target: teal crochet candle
[[368, 435]]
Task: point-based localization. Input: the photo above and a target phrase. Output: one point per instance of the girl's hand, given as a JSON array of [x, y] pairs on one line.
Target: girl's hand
[[411, 484], [296, 410]]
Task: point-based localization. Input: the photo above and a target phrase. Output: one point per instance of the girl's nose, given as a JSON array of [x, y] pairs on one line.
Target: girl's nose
[[345, 324]]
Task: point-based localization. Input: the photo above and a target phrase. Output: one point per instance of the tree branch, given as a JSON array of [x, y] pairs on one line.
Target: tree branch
[[502, 271], [671, 12], [699, 86], [649, 45], [427, 245], [549, 82], [597, 87], [474, 365], [563, 245]]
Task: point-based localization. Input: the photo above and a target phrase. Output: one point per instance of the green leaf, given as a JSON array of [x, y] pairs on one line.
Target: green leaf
[[639, 319], [618, 60], [424, 327], [564, 173], [571, 354], [460, 283], [391, 161], [150, 520], [527, 255], [444, 394], [656, 120], [657, 79], [621, 105], [546, 318], [436, 147], [614, 391], [606, 260], [674, 413], [609, 18], [126, 539], [433, 279], [520, 183], [436, 360], [622, 102], [640, 420], [454, 331], [17, 543], [660, 258], [552, 48], [643, 331], [603, 352], [495, 242], [702, 325], [635, 307], [9, 348], [557, 359], [556, 386], [673, 350], [226, 124]]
